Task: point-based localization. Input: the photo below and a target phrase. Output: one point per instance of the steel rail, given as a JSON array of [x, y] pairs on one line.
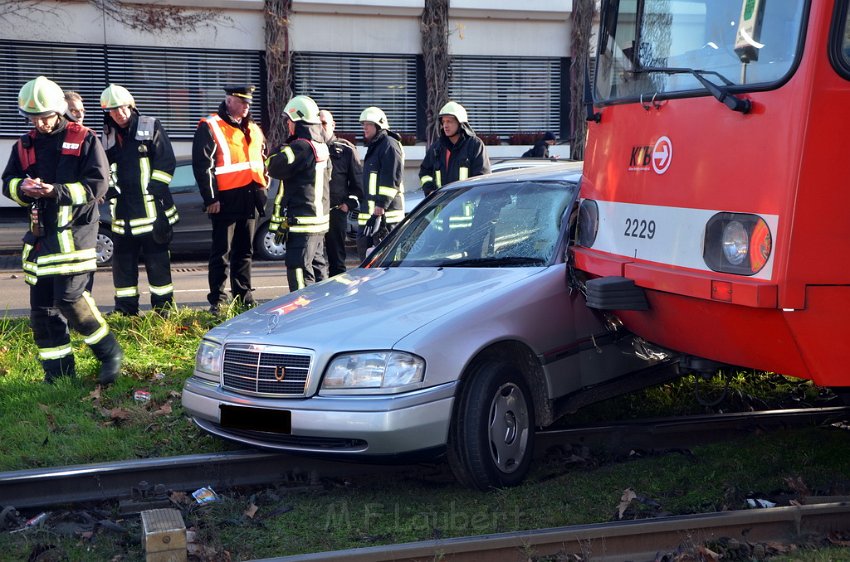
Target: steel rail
[[117, 480], [639, 540]]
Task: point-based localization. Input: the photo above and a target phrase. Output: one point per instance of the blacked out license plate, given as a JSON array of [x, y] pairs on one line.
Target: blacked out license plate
[[256, 419]]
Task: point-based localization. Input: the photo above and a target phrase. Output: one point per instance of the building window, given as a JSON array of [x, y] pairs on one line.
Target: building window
[[178, 87], [507, 95], [346, 84]]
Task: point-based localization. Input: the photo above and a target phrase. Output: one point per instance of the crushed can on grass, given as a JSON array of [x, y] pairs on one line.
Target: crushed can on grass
[[205, 495], [142, 396]]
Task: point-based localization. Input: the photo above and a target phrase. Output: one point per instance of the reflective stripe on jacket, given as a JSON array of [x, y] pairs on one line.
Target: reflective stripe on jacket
[[304, 170], [383, 172]]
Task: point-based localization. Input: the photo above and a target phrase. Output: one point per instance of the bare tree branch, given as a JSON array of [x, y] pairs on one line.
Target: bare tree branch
[[159, 18], [22, 9], [278, 67], [582, 22], [435, 52]]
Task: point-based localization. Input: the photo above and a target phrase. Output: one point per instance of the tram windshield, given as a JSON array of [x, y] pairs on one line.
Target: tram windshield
[[660, 48]]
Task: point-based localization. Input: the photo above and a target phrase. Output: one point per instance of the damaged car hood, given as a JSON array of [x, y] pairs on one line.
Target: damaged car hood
[[368, 308]]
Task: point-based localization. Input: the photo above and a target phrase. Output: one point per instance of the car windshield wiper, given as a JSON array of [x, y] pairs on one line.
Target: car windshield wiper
[[504, 261], [722, 94]]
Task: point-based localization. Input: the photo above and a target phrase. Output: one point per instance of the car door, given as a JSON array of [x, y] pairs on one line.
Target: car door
[[194, 231]]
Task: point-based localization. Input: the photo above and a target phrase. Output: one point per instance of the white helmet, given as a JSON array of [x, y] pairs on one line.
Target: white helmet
[[376, 116], [455, 110]]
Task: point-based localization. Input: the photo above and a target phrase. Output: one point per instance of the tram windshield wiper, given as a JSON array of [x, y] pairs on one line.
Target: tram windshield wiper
[[722, 94]]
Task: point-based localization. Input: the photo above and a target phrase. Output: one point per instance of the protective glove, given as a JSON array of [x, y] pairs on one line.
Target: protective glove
[[373, 225], [282, 232]]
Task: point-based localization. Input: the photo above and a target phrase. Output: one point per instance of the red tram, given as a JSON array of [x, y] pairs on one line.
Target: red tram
[[715, 217]]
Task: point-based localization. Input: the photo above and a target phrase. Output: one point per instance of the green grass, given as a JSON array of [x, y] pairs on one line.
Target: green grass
[[69, 423]]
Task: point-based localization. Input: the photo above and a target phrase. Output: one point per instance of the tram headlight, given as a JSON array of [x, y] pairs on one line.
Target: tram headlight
[[588, 223], [737, 243]]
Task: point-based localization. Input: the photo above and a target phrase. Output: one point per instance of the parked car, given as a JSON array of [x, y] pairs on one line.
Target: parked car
[[459, 334], [193, 233], [505, 164]]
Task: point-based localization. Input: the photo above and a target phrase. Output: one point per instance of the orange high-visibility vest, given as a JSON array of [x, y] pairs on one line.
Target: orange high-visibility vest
[[237, 163]]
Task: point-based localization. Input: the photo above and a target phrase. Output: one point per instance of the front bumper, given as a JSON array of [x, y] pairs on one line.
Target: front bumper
[[338, 425]]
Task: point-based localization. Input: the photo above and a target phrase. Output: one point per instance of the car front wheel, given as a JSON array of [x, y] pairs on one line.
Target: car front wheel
[[105, 247], [264, 244], [491, 440]]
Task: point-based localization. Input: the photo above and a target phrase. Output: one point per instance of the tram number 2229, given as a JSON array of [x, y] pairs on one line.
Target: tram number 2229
[[640, 228]]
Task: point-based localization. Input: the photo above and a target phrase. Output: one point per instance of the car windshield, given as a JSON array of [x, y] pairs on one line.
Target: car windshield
[[652, 47], [515, 224]]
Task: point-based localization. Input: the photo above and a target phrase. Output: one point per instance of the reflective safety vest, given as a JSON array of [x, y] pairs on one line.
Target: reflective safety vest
[[237, 163]]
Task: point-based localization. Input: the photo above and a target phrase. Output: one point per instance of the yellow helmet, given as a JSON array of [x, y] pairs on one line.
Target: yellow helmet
[[116, 96], [376, 116], [41, 97], [455, 110], [302, 108]]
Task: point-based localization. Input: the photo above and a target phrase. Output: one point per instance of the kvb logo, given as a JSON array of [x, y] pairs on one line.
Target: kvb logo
[[662, 155]]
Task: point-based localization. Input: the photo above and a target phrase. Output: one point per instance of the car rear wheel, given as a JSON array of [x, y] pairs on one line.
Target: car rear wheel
[[264, 244], [105, 247], [491, 440]]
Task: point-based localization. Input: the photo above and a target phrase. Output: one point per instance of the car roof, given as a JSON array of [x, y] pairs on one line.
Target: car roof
[[555, 171]]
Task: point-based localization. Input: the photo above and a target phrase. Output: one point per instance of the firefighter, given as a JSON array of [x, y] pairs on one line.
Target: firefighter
[[383, 173], [458, 154], [346, 192], [302, 202], [59, 170], [143, 210], [228, 154]]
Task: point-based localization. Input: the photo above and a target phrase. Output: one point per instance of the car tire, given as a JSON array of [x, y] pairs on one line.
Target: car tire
[[105, 247], [491, 440], [264, 244]]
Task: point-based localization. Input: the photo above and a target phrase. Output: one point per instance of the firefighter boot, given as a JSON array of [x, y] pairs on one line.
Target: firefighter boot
[[110, 355], [62, 367]]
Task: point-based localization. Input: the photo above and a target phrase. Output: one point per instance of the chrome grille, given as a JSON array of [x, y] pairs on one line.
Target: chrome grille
[[257, 371]]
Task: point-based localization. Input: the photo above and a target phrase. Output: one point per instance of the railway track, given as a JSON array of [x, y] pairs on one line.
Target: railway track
[[44, 487], [739, 532]]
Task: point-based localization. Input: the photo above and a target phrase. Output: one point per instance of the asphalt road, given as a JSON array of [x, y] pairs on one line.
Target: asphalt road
[[189, 278]]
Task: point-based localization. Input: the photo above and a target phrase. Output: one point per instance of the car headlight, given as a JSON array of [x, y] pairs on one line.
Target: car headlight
[[374, 372], [737, 243], [208, 360]]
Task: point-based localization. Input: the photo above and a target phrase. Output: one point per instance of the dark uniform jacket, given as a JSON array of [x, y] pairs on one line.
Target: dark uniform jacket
[[142, 162], [235, 203], [347, 178], [304, 169], [79, 173], [383, 173], [539, 150], [445, 162]]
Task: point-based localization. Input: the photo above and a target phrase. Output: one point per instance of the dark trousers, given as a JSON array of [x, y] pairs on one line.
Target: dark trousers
[[335, 241], [56, 302], [125, 273], [232, 244], [305, 260]]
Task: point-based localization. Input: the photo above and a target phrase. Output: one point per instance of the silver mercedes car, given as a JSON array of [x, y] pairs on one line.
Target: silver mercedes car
[[461, 333]]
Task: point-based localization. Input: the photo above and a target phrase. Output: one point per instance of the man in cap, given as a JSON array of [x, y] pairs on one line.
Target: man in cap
[[228, 154], [346, 192], [59, 170], [458, 154], [301, 205], [383, 173], [541, 147], [142, 208]]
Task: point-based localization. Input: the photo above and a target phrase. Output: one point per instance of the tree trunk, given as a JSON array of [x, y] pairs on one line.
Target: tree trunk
[[278, 68], [582, 20], [435, 52]]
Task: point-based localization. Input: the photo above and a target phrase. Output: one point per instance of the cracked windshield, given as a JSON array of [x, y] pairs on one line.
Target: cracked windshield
[[510, 225], [657, 47]]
